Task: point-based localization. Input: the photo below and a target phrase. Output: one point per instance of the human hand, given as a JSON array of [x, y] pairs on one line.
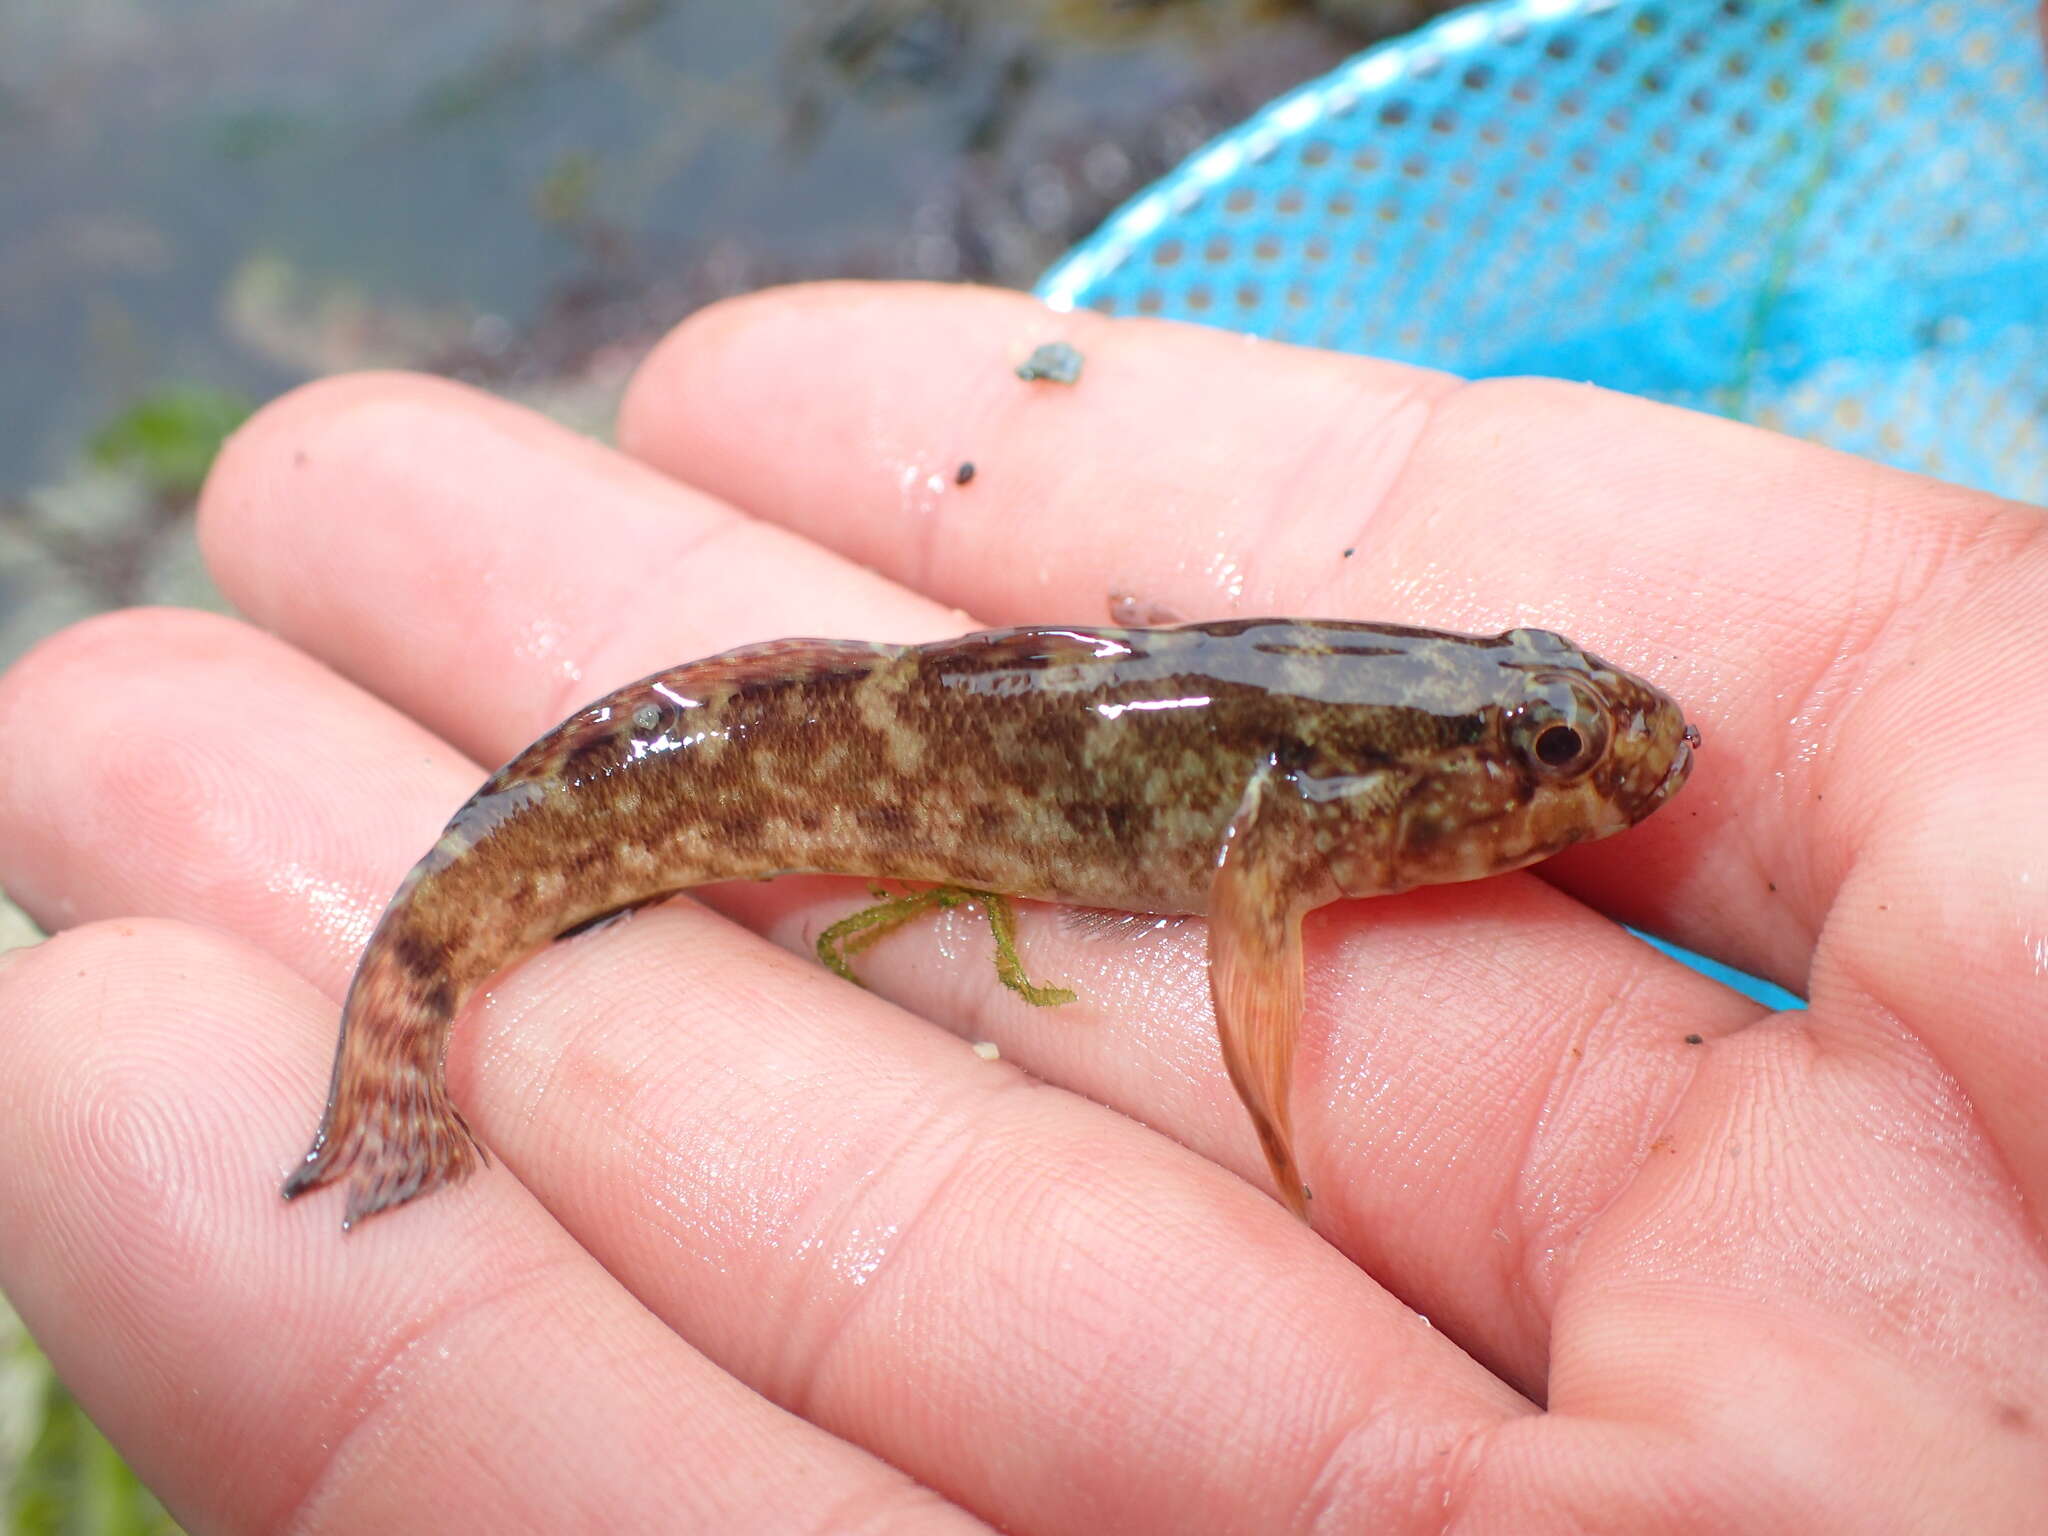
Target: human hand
[[765, 1252]]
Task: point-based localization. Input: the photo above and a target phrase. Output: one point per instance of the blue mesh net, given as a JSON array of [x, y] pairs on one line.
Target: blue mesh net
[[1828, 218]]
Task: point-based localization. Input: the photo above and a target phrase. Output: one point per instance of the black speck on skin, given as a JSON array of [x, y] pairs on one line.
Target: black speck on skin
[[1695, 1039], [1349, 553], [1054, 362], [964, 473]]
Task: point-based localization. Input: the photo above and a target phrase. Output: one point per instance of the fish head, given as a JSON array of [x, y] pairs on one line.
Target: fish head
[[1550, 746]]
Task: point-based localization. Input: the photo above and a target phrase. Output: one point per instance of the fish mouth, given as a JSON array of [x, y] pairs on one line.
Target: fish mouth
[[1680, 769]]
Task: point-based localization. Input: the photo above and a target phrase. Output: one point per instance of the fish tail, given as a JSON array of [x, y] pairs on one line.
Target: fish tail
[[390, 1130]]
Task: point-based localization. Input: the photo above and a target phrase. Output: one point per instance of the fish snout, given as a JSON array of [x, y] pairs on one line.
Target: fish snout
[[1681, 765]]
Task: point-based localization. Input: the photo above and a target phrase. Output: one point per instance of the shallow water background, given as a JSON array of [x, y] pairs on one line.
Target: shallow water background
[[207, 201]]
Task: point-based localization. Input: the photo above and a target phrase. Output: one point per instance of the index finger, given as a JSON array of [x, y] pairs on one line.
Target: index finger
[[1750, 575]]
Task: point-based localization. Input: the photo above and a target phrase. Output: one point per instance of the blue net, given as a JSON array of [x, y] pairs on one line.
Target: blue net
[[1828, 218]]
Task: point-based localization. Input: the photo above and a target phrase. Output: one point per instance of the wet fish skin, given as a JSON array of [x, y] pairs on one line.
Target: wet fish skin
[[1248, 770]]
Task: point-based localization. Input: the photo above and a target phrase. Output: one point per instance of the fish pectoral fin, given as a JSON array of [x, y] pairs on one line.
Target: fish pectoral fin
[[1265, 880]]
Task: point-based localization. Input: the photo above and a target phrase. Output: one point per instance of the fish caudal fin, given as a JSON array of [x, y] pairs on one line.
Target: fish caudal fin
[[390, 1131], [389, 1150]]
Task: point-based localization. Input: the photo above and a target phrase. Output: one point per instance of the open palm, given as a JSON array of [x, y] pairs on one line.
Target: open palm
[[764, 1252]]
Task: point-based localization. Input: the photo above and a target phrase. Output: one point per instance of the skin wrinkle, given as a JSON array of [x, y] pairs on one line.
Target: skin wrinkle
[[1857, 962], [1541, 1288], [362, 1401], [1843, 674], [926, 539], [881, 1509], [812, 1350], [795, 1386], [1936, 1154], [1537, 1272], [1295, 489], [1954, 571], [1466, 1465], [1338, 1467], [1847, 967], [1852, 669], [541, 1086]]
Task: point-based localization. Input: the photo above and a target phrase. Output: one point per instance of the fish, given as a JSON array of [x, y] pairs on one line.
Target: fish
[[1246, 771]]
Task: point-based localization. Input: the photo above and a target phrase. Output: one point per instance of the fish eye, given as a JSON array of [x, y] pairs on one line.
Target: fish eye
[[1560, 733], [1559, 745]]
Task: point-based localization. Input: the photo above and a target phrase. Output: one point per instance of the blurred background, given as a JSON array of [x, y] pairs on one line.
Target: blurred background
[[203, 202], [207, 201]]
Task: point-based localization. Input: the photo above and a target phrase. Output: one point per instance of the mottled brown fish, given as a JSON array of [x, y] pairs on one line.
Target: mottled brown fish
[[1248, 771]]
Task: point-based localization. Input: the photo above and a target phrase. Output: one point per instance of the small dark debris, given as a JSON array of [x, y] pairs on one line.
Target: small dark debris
[[1056, 362], [1771, 886], [1349, 553], [964, 473], [1695, 1039]]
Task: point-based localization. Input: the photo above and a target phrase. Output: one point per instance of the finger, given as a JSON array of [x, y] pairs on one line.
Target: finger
[[944, 1197], [1481, 1072], [1216, 476], [245, 787], [486, 571], [1054, 1317], [263, 1373]]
